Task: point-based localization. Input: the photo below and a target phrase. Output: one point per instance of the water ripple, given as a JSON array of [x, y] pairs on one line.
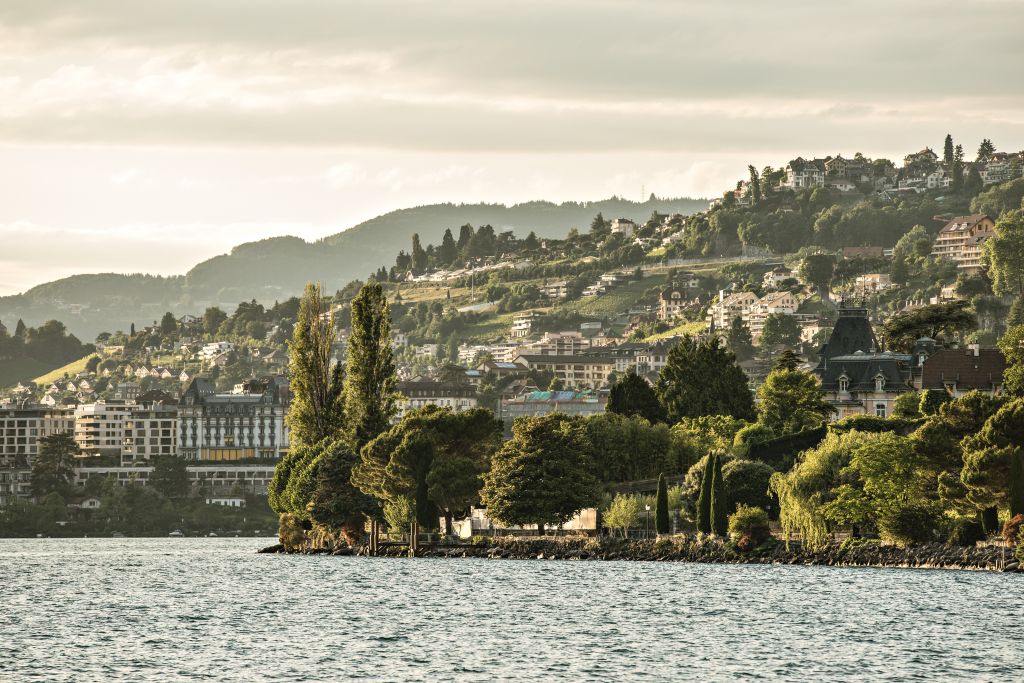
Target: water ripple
[[210, 609]]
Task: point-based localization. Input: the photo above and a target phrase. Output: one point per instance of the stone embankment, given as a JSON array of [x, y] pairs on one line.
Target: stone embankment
[[709, 550]]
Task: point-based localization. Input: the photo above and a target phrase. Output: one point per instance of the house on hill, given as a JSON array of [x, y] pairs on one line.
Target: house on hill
[[961, 240]]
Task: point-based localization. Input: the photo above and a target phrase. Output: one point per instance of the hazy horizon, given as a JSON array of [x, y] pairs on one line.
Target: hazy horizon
[[146, 137]]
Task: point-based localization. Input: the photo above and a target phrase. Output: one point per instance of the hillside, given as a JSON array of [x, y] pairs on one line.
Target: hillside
[[276, 268]]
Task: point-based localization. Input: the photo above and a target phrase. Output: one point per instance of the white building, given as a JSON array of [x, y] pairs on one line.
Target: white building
[[231, 427]]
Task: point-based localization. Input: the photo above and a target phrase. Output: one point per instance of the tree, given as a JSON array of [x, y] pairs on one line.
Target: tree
[[938, 321], [985, 150], [791, 401], [787, 360], [419, 256], [317, 410], [213, 318], [466, 233], [531, 242], [335, 504], [1012, 346], [702, 378], [632, 395], [168, 323], [92, 364], [973, 182], [947, 150], [598, 225], [818, 269], [719, 500], [746, 482], [543, 475], [622, 513], [994, 460], [1004, 254], [369, 398], [932, 400], [661, 518], [53, 467], [958, 169], [131, 330], [755, 185], [780, 329], [739, 340], [449, 250], [170, 476], [20, 330], [434, 458], [706, 494], [907, 406]]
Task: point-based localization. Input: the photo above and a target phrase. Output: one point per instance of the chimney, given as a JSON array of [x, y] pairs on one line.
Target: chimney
[[974, 349]]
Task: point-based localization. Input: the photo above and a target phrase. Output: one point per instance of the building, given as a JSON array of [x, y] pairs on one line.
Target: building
[[623, 226], [856, 377], [574, 372], [555, 290], [871, 283], [151, 429], [522, 323], [957, 371], [961, 239], [229, 427], [673, 302], [222, 479], [653, 358], [803, 173], [776, 277], [537, 403], [21, 427], [558, 344], [99, 427], [731, 306], [770, 304], [418, 393]]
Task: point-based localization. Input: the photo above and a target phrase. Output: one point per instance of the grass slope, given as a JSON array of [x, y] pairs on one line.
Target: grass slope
[[70, 370]]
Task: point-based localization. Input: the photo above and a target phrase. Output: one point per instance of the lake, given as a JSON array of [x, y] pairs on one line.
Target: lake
[[211, 609]]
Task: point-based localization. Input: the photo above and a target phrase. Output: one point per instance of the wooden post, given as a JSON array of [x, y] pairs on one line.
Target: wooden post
[[373, 538], [413, 540]]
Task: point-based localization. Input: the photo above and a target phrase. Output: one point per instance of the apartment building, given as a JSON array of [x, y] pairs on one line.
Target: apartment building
[[21, 427], [961, 240], [418, 393], [99, 427], [574, 372]]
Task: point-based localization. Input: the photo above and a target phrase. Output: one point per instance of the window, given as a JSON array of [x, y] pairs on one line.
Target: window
[[879, 382], [844, 383], [880, 410]]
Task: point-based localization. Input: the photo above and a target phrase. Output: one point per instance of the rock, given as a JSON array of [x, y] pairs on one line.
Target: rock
[[276, 548]]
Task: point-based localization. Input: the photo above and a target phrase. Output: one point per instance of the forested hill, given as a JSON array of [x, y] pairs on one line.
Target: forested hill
[[279, 267]]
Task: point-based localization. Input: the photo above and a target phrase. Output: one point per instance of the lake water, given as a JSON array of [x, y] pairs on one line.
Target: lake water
[[211, 609]]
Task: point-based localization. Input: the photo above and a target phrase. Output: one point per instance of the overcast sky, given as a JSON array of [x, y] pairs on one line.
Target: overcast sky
[[149, 135]]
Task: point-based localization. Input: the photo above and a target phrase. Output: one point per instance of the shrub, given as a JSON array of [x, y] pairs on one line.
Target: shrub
[[750, 525], [1011, 530], [399, 513], [965, 532], [756, 433], [907, 406], [747, 483], [932, 400], [911, 524], [290, 531]]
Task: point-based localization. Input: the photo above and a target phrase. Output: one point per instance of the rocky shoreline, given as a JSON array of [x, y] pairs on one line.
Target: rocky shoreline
[[707, 550]]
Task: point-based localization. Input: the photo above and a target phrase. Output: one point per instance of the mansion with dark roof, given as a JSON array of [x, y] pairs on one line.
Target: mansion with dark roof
[[861, 379]]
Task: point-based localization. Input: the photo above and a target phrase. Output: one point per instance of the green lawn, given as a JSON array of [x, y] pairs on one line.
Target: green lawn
[[618, 300], [70, 370], [680, 330]]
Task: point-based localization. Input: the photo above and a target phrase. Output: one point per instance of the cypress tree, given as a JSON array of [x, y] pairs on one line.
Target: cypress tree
[[704, 499], [719, 501], [661, 521], [369, 396]]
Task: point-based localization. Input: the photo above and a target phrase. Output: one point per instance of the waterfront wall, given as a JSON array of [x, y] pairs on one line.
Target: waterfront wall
[[704, 549]]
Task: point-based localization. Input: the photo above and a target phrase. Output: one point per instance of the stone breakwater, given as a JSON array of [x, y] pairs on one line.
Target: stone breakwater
[[707, 550]]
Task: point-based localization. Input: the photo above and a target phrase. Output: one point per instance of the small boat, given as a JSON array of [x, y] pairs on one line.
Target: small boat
[[176, 534], [212, 535]]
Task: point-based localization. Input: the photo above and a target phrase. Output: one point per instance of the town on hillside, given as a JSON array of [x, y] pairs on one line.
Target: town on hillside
[[881, 281]]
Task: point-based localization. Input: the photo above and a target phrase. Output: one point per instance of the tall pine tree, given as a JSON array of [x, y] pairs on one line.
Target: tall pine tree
[[317, 409], [719, 500], [704, 499], [369, 396]]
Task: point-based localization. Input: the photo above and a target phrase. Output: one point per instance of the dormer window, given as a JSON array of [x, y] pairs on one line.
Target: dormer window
[[844, 384], [879, 382]]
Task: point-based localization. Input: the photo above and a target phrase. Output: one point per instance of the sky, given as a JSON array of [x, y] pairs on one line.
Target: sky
[[148, 136]]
